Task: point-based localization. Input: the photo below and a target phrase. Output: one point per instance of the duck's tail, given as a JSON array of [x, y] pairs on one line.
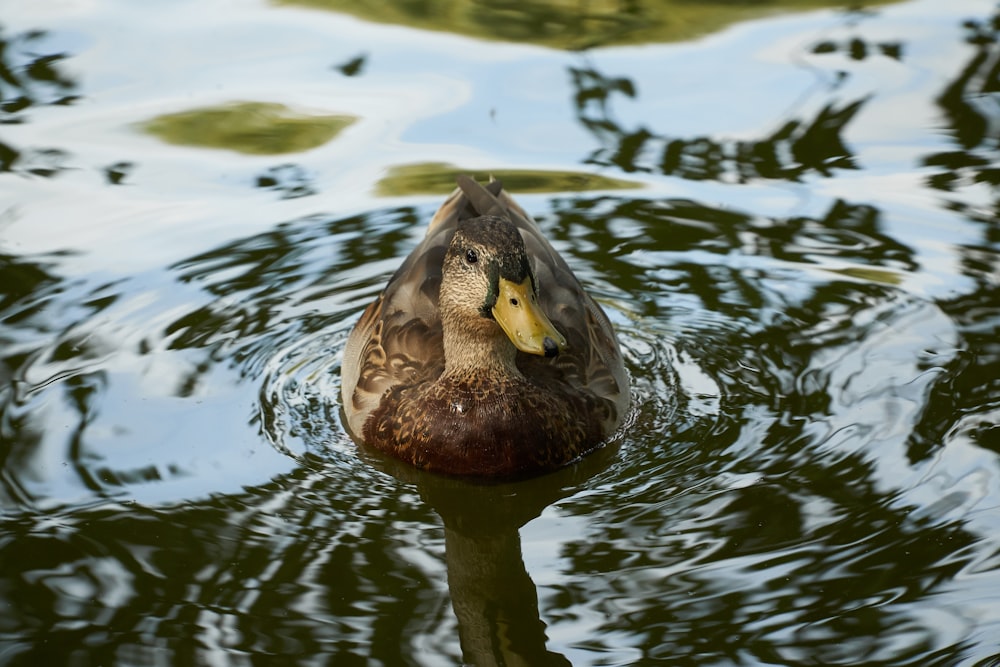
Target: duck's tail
[[471, 199]]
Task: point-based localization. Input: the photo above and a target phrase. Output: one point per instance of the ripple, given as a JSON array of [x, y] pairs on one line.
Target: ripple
[[807, 309], [765, 463], [300, 397]]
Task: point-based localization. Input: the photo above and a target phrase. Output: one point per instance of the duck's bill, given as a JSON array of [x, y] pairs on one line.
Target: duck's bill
[[518, 314]]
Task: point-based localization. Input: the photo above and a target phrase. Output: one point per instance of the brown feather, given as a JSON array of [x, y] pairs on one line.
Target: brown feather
[[397, 398]]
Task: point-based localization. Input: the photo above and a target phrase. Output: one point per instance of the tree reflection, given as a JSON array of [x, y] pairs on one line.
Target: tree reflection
[[850, 231], [294, 569], [760, 570], [24, 286], [30, 76], [257, 279], [571, 24], [290, 180], [857, 48], [336, 563], [354, 66], [961, 401], [770, 574], [797, 148], [966, 103], [44, 162], [48, 349], [820, 560], [319, 565]]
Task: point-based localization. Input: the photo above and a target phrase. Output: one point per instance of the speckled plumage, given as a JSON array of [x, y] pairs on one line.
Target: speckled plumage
[[485, 408]]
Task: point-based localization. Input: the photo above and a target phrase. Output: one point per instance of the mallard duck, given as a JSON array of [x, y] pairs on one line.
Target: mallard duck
[[483, 356]]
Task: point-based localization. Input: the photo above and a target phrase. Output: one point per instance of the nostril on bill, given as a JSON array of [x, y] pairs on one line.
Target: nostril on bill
[[551, 348]]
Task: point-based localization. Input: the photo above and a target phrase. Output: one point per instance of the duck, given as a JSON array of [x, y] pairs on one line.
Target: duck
[[483, 356]]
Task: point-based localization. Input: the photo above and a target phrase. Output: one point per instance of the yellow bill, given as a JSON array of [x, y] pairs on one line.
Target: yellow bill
[[518, 314]]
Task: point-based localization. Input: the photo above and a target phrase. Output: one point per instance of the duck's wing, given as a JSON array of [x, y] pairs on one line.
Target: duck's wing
[[397, 340], [592, 361]]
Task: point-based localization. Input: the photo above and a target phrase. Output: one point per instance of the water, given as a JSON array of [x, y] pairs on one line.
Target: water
[[803, 275]]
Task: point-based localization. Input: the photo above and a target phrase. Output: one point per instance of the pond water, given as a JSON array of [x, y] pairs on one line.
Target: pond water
[[790, 217]]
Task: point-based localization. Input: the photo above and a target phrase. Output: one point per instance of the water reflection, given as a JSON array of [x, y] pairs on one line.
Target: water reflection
[[775, 399], [796, 369], [809, 474], [29, 288], [256, 128], [353, 67], [117, 173], [570, 25], [44, 162], [493, 597], [32, 75], [962, 103], [246, 582], [967, 104], [290, 180], [858, 48], [296, 568], [334, 562], [799, 147]]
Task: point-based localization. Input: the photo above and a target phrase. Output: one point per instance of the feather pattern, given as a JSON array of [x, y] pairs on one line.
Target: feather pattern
[[486, 419]]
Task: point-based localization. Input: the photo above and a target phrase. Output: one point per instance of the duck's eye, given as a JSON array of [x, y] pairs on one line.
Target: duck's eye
[[471, 256]]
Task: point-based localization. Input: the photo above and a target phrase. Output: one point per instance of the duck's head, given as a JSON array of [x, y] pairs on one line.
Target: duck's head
[[487, 278]]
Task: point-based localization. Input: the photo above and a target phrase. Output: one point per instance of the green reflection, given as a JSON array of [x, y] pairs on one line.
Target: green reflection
[[569, 25], [871, 275], [256, 128], [439, 178]]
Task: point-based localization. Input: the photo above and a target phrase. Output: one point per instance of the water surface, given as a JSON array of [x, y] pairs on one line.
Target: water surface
[[791, 222]]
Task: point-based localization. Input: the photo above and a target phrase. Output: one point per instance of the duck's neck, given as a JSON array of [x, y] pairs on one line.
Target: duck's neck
[[483, 351]]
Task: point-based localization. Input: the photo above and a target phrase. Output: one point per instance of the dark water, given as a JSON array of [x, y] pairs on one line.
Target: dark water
[[807, 291]]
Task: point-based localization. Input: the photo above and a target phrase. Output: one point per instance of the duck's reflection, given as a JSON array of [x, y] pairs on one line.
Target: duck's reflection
[[492, 594], [495, 600]]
